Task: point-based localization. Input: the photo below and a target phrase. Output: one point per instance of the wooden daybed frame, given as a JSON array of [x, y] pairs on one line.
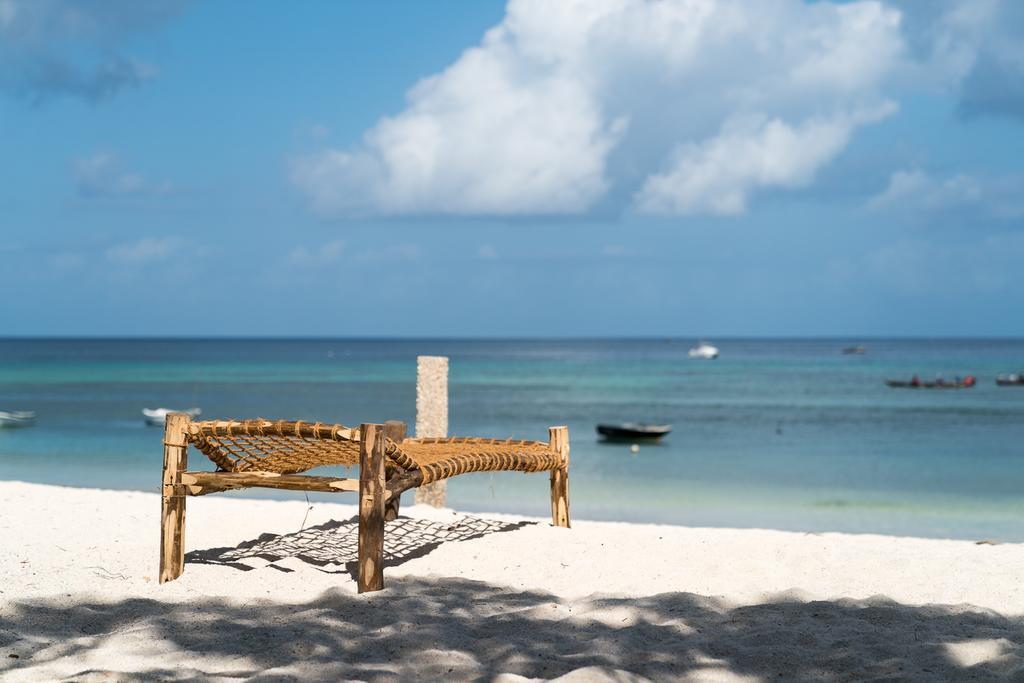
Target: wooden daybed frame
[[271, 454]]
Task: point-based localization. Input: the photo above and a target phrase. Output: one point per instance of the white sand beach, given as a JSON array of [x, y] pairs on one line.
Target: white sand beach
[[268, 593]]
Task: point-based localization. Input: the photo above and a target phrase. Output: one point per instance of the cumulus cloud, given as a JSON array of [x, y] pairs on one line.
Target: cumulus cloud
[[47, 76], [102, 175], [917, 191], [974, 48], [470, 136], [996, 83], [718, 175], [686, 105], [51, 48]]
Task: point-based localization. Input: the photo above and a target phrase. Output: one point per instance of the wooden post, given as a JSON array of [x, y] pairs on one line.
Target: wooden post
[[371, 508], [559, 441], [394, 430], [432, 415], [172, 509]]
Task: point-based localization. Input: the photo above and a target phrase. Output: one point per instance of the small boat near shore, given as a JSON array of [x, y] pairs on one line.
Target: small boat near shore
[[854, 350], [156, 417], [632, 431], [1015, 379], [704, 350], [17, 418], [914, 383]]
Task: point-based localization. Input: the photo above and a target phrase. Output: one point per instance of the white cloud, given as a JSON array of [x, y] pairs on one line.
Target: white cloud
[[718, 175], [563, 105], [102, 175], [973, 49], [471, 136], [52, 48], [917, 191]]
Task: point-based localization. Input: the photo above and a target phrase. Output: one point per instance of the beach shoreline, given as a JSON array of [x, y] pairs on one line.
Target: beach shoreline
[[85, 560], [783, 434]]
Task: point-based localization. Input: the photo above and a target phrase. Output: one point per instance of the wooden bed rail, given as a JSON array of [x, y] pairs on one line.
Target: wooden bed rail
[[202, 483]]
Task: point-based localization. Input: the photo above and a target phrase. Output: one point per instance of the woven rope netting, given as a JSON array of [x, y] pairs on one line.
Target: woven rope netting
[[288, 447], [443, 458]]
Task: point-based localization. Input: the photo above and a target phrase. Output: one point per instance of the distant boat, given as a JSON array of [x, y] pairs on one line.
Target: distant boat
[[1015, 379], [705, 351], [851, 350], [17, 418], [156, 417], [632, 431], [914, 383]]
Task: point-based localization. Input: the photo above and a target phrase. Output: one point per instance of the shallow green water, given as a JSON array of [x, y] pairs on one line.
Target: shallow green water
[[776, 433]]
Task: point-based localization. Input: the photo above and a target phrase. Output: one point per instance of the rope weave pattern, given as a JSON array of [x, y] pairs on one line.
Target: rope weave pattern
[[449, 457], [281, 446], [288, 447]]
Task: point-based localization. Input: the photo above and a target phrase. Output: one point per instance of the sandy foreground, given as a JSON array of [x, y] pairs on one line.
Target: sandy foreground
[[268, 593]]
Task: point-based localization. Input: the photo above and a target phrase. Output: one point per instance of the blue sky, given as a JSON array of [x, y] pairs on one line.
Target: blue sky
[[609, 168]]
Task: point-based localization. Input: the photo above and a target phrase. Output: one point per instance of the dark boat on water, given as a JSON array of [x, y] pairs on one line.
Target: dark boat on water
[[1013, 380], [854, 350], [914, 383], [632, 431]]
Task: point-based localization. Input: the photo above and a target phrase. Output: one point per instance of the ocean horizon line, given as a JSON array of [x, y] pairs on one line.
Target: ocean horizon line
[[583, 338]]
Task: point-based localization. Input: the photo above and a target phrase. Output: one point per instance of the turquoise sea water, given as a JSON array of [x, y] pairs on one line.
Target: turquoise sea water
[[786, 434]]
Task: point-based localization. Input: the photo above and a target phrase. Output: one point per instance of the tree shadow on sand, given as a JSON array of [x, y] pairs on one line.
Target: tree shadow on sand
[[333, 546], [455, 629]]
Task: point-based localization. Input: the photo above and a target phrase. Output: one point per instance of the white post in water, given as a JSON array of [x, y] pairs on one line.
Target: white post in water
[[432, 415]]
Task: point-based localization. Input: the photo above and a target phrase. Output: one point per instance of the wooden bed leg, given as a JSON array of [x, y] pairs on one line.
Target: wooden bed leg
[[172, 512], [371, 508], [559, 442], [394, 430]]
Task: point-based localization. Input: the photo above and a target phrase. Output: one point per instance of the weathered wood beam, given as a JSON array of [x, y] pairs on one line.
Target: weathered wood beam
[[403, 482], [559, 442], [202, 483], [394, 430], [371, 508], [172, 506]]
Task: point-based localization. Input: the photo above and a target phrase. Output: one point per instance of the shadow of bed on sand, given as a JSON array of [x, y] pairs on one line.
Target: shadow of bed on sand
[[455, 629], [333, 546]]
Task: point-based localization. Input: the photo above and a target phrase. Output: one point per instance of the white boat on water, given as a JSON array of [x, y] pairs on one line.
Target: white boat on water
[[158, 416], [17, 418], [705, 351]]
